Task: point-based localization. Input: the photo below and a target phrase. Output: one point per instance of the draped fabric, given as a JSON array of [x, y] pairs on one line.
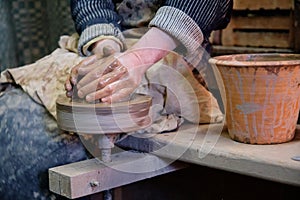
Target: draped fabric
[[30, 29]]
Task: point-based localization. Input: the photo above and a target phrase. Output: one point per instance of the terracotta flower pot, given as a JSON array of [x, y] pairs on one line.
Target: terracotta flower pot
[[262, 96]]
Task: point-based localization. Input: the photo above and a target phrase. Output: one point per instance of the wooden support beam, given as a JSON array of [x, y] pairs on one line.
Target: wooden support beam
[[92, 176]]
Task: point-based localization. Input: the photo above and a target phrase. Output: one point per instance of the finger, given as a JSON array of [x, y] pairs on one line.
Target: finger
[[69, 88], [108, 50], [113, 76], [115, 91], [98, 66], [108, 64], [89, 60], [102, 82], [87, 69], [121, 95], [84, 63], [69, 93], [106, 91], [86, 84], [73, 75], [68, 85], [96, 69], [87, 89], [118, 91], [112, 66]]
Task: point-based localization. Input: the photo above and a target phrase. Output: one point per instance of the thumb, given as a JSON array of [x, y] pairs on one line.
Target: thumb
[[108, 50]]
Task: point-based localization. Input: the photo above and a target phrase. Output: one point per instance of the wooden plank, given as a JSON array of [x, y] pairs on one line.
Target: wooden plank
[[215, 149], [261, 22], [92, 176], [258, 39], [263, 4], [222, 50], [259, 31]]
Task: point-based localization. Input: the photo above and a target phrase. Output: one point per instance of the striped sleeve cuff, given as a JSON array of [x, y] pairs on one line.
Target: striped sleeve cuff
[[97, 30], [179, 25]]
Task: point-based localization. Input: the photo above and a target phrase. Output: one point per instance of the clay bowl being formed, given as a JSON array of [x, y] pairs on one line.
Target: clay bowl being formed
[[104, 118], [262, 96]]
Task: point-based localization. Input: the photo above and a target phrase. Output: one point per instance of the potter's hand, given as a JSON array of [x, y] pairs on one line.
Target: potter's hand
[[85, 66], [116, 79], [113, 80], [100, 49]]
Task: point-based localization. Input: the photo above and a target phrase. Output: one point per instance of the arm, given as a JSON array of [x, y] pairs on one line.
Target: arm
[[169, 26], [192, 21], [96, 20], [125, 70]]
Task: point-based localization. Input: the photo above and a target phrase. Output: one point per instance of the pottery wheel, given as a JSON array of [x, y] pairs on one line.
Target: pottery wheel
[[103, 118]]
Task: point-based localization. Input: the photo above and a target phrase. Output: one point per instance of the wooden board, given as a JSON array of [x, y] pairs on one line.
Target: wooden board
[[93, 176], [259, 31], [263, 4], [225, 50], [258, 39], [214, 149], [261, 22]]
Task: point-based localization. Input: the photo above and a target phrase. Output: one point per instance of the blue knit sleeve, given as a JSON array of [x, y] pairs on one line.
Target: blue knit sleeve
[[95, 18], [86, 13], [192, 21], [208, 14]]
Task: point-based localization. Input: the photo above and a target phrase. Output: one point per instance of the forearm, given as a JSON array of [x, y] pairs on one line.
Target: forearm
[[151, 48], [192, 21]]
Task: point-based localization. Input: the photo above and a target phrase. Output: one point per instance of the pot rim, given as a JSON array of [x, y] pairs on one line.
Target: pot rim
[[228, 60]]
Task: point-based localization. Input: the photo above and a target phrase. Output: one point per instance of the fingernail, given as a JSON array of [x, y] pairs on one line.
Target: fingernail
[[88, 98], [69, 94], [104, 100]]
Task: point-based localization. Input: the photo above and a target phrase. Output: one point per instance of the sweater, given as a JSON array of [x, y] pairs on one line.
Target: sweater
[[189, 21]]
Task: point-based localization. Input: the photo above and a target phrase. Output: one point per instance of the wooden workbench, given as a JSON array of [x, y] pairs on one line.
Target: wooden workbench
[[208, 145], [204, 145]]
